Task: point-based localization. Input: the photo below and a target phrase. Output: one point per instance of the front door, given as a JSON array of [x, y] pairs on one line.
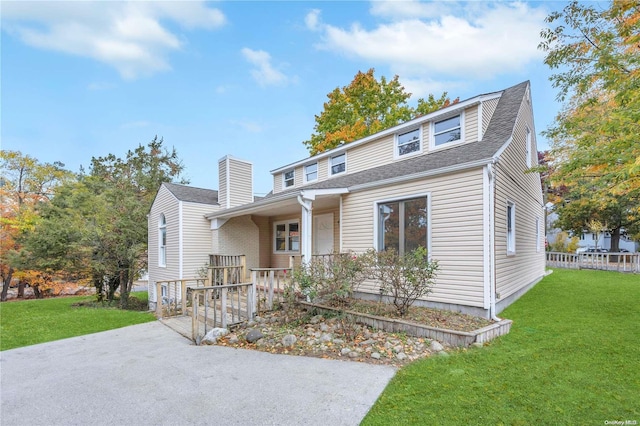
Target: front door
[[323, 233]]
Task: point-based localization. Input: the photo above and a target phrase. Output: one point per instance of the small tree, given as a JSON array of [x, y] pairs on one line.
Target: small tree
[[405, 278]]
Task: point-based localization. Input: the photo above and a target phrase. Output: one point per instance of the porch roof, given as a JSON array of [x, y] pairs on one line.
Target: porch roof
[[281, 203]]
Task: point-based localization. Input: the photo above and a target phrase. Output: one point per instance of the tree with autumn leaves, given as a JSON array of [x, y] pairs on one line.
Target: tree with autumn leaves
[[364, 107], [89, 227], [595, 153]]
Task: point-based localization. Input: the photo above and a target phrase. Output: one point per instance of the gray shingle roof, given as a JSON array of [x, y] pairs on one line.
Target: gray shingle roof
[[498, 132], [191, 194]]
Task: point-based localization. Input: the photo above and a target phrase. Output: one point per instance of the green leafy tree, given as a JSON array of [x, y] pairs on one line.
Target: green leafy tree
[[366, 106], [595, 54]]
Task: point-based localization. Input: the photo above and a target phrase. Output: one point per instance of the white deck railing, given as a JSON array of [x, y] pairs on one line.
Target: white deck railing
[[622, 262]]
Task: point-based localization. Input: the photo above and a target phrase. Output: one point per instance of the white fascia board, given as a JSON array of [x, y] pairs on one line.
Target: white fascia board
[[252, 207], [231, 157], [311, 194], [180, 240], [414, 176], [412, 123]]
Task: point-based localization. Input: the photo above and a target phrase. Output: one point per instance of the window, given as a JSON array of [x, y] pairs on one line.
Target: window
[[402, 225], [528, 148], [338, 164], [286, 237], [288, 178], [511, 227], [447, 131], [408, 142], [537, 234], [162, 241], [311, 172]]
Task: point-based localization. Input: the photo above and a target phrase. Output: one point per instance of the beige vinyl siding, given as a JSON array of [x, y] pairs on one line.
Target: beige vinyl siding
[[241, 186], [515, 271], [165, 203], [456, 231], [298, 179], [372, 154], [222, 184], [488, 108], [277, 183], [426, 132], [196, 237], [471, 124], [323, 169]]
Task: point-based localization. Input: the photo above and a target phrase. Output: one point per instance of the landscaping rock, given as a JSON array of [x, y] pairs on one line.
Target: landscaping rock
[[436, 346], [289, 340], [398, 349], [324, 327], [316, 319], [211, 338], [254, 335], [375, 355], [345, 351], [338, 341], [477, 345], [326, 337], [401, 356], [367, 342], [353, 355]]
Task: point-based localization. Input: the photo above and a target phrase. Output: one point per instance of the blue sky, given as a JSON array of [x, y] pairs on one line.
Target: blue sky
[[82, 79]]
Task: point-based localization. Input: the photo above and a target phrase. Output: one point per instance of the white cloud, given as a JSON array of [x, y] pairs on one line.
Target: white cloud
[[312, 20], [477, 40], [264, 73], [410, 8], [128, 36]]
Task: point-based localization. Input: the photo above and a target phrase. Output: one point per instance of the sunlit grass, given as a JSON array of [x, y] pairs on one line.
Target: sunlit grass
[[572, 357]]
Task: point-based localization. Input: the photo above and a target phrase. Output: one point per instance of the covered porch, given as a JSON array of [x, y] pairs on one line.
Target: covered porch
[[283, 230]]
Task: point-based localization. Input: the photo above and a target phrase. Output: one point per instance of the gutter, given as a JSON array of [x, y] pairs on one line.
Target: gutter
[[492, 254]]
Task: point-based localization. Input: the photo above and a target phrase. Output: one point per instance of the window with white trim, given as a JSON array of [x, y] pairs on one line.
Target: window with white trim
[[286, 237], [162, 241], [403, 224], [408, 143], [288, 178], [528, 148], [311, 172], [511, 227], [338, 164], [447, 131]]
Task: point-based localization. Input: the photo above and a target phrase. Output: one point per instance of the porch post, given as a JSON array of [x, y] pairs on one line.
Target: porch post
[[306, 231]]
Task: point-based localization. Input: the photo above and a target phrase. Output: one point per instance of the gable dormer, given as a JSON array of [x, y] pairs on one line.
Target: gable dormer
[[461, 123]]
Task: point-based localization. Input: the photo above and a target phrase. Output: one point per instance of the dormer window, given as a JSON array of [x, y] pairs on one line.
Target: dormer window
[[311, 172], [288, 178], [447, 131], [408, 142], [338, 164]]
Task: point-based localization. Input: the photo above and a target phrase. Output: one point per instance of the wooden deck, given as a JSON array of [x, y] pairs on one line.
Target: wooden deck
[[181, 325]]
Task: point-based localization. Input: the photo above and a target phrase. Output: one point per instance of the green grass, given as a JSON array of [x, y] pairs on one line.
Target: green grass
[[572, 357], [29, 322]]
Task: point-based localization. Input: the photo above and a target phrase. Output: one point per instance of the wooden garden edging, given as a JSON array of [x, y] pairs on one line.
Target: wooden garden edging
[[443, 335]]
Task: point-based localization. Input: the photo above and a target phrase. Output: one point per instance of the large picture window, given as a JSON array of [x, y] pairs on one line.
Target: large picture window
[[403, 225], [162, 241], [286, 237]]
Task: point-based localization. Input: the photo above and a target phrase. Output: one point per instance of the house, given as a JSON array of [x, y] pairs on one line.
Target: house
[[454, 181]]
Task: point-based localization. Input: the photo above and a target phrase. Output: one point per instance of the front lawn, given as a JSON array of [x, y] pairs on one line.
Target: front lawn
[[572, 357], [29, 322]]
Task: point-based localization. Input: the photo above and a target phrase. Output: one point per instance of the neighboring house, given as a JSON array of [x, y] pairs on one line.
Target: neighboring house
[[588, 240], [454, 181]]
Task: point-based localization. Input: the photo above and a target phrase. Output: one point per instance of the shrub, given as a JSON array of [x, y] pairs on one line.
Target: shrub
[[564, 244], [332, 278], [404, 278]]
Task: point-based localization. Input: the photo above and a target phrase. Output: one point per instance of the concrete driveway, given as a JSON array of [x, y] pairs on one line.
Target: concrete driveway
[[150, 375]]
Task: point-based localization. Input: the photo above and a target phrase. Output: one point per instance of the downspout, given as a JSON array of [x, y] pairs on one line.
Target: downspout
[[305, 239], [492, 254]]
